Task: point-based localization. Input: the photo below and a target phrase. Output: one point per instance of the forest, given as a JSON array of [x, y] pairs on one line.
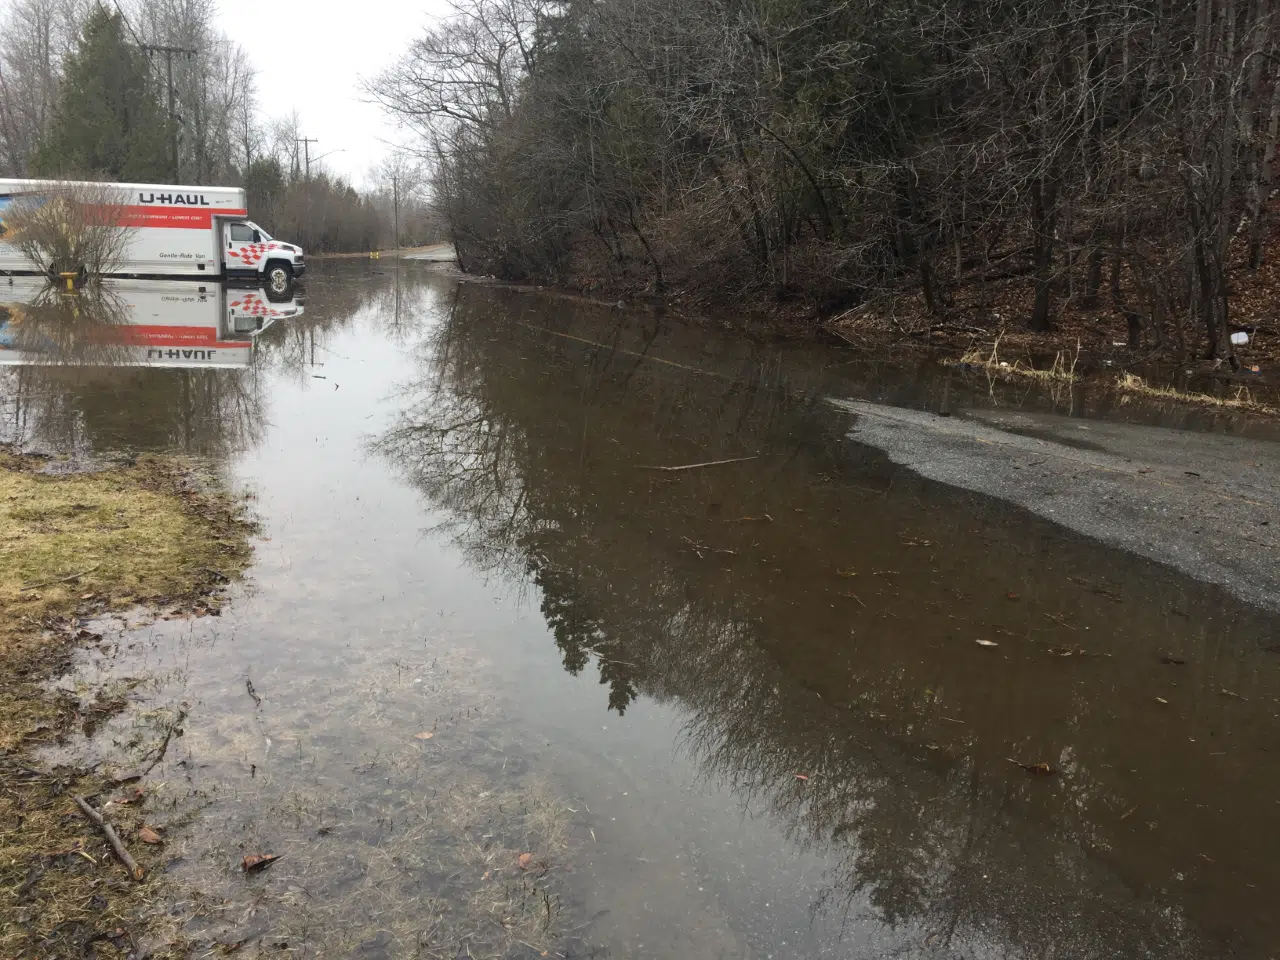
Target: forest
[[1035, 164], [152, 91]]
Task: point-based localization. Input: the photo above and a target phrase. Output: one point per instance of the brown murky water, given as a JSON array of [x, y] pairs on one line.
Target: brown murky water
[[739, 711]]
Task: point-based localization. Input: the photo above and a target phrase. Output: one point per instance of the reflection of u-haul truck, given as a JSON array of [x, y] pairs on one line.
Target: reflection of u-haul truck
[[195, 233], [152, 323]]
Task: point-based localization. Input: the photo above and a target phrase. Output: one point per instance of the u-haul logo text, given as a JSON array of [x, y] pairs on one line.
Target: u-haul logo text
[[174, 199]]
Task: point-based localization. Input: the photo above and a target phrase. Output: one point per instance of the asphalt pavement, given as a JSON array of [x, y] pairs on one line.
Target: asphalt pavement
[[1206, 504]]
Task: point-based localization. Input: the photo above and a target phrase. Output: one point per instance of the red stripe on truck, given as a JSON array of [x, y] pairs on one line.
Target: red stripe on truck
[[174, 218], [172, 336]]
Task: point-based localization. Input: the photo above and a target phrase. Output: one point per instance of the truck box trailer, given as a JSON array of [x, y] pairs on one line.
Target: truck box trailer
[[189, 233]]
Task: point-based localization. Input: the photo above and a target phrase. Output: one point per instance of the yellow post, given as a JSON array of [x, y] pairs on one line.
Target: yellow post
[[70, 278]]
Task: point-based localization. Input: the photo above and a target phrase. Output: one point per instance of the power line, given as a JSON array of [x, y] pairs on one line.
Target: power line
[[167, 79], [125, 20], [149, 49]]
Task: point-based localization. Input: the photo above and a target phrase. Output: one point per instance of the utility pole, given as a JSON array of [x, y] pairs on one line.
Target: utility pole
[[306, 149], [395, 203], [152, 48]]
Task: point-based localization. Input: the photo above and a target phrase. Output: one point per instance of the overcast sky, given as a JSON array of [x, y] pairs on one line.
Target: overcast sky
[[311, 57]]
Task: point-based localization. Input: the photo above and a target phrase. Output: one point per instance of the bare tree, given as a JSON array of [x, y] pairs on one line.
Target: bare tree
[[70, 228], [35, 38]]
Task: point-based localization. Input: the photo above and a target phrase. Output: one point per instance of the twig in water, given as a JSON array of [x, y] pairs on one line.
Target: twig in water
[[696, 466], [50, 583], [161, 750], [130, 864], [700, 548]]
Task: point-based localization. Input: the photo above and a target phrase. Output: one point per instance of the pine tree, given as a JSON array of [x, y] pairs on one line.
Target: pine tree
[[108, 121]]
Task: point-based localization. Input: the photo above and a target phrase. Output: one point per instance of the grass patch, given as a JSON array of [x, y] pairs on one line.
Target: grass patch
[[1241, 400], [1063, 369], [75, 546]]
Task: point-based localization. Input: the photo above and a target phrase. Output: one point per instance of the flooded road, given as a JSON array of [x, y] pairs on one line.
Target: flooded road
[[498, 687]]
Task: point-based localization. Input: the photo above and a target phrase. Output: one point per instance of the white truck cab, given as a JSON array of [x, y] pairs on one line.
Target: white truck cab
[[249, 251]]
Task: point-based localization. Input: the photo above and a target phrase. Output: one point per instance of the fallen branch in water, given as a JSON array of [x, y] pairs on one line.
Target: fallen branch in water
[[697, 466], [700, 548], [50, 583], [131, 864]]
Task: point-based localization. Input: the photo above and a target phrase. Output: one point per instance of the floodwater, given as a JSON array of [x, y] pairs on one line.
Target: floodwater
[[739, 711]]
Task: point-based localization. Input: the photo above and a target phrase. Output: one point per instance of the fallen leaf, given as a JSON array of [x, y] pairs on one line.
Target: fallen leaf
[[88, 596], [801, 776], [1011, 595], [1039, 769], [1162, 700], [258, 861], [149, 834], [486, 875], [986, 643], [847, 574], [131, 798], [524, 861], [425, 735]]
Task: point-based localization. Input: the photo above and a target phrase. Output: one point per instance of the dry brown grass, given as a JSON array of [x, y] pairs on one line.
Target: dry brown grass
[[71, 546], [1063, 369], [1242, 399]]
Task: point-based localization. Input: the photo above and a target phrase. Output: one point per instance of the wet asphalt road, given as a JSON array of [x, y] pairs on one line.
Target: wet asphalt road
[[1207, 504]]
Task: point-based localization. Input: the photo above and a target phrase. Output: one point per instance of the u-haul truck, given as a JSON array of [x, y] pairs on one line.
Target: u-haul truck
[[193, 233], [145, 323]]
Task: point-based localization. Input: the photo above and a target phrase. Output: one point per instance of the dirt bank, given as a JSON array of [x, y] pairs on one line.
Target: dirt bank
[[78, 543]]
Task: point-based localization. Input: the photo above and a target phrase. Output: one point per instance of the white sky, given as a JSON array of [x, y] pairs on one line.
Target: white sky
[[312, 55]]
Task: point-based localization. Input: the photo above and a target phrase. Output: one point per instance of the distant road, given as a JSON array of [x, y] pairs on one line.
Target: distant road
[[440, 253]]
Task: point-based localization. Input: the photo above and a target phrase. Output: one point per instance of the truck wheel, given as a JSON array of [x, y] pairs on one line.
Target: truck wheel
[[279, 277]]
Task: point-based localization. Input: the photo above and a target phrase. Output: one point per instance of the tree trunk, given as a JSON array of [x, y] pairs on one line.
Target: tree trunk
[[1043, 223]]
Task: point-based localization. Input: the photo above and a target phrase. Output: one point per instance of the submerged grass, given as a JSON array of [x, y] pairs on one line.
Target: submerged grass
[[75, 545], [1063, 369], [1241, 400]]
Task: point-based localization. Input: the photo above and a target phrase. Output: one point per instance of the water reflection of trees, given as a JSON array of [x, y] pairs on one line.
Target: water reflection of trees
[[530, 440], [80, 388], [202, 412], [83, 389], [394, 302]]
